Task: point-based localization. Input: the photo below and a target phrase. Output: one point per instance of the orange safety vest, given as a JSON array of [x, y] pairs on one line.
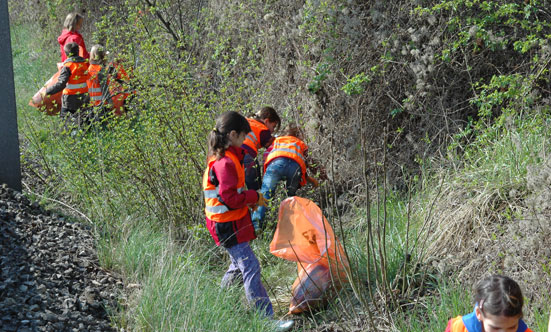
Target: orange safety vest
[[289, 147], [77, 80], [215, 210], [93, 83], [457, 324], [253, 137], [116, 90]]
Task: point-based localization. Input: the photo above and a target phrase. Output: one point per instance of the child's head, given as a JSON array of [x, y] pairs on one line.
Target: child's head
[[498, 303], [97, 54], [71, 49], [293, 130], [230, 129], [269, 116], [73, 21]]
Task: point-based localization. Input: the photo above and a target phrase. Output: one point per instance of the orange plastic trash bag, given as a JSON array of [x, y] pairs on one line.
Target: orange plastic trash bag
[[311, 289], [51, 105], [305, 236]]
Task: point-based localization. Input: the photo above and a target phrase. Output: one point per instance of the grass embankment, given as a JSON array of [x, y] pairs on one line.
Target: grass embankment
[[172, 286], [175, 284]]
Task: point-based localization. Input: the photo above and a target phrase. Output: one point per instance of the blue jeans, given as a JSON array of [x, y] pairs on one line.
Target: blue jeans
[[279, 169], [252, 172], [245, 265]]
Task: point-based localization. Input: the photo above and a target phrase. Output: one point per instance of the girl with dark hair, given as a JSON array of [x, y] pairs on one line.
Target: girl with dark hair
[[227, 205], [498, 307], [263, 124]]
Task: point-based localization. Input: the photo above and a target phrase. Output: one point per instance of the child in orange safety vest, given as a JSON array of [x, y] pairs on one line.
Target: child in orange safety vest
[[106, 85], [72, 80], [227, 203], [498, 307], [263, 125], [286, 161], [98, 85]]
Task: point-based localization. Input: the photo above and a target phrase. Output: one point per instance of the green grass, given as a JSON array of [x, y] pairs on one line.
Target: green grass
[[33, 65], [499, 158], [450, 300], [177, 291], [178, 283]]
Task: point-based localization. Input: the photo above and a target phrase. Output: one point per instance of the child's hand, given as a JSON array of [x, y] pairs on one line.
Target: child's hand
[[261, 200], [313, 181]]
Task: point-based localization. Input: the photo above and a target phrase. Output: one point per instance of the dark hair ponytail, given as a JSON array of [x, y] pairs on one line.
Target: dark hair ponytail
[[499, 295], [218, 140]]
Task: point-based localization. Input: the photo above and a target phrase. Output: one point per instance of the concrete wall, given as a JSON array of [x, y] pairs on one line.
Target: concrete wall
[[10, 169]]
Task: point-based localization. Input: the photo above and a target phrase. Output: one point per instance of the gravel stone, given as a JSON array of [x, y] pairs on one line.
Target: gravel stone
[[50, 278]]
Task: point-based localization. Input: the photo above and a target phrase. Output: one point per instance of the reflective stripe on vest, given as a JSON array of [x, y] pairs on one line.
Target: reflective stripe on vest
[[75, 86], [292, 148], [286, 148], [77, 81], [214, 209], [214, 193], [252, 139], [94, 87]]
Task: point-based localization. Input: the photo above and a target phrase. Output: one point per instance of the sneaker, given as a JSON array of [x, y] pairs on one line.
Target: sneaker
[[284, 325]]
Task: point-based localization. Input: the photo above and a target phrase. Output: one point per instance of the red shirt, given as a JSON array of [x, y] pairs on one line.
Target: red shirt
[[231, 233], [71, 37]]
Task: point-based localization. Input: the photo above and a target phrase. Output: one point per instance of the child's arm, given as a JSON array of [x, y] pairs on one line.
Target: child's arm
[[314, 167], [309, 169], [266, 138], [227, 177], [61, 81]]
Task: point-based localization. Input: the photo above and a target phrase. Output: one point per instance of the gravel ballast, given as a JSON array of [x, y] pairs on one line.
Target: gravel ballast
[[50, 279]]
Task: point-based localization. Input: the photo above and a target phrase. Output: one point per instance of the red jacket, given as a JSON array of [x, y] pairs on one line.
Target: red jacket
[[238, 231], [72, 37]]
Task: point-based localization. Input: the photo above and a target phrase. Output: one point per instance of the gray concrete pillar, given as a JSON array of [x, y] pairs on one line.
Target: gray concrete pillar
[[10, 168]]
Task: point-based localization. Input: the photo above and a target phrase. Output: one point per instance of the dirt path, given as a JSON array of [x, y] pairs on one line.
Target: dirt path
[[50, 279]]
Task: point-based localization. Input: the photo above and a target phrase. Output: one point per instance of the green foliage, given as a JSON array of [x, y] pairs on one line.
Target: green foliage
[[499, 156], [355, 85], [496, 27], [139, 178], [450, 300], [322, 71]]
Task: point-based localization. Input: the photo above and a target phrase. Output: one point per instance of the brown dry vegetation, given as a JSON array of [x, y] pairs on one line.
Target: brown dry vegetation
[[381, 87], [473, 236]]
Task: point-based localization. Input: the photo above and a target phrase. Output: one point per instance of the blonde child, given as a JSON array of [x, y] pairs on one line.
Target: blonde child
[[287, 161], [98, 88], [71, 34]]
